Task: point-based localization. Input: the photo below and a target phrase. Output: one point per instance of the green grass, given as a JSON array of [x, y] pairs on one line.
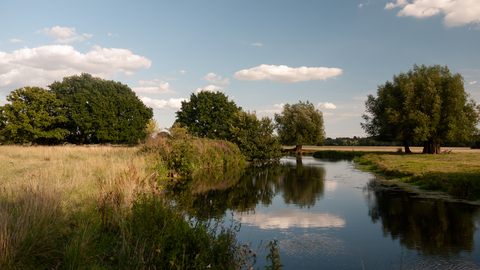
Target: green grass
[[458, 174]]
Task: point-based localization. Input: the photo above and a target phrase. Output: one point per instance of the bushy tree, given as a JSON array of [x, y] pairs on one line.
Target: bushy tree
[[426, 104], [152, 127], [207, 114], [100, 111], [254, 136], [33, 115], [300, 124]]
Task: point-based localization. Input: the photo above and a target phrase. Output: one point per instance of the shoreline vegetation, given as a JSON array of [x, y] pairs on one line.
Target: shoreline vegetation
[[456, 174], [71, 207]]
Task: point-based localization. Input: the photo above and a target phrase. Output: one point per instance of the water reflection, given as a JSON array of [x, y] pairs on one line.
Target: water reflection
[[212, 193], [432, 227], [288, 218]]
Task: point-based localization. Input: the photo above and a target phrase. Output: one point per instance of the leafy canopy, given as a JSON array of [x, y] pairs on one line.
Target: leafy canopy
[[207, 114], [33, 115], [254, 136], [425, 104], [300, 124], [101, 111]]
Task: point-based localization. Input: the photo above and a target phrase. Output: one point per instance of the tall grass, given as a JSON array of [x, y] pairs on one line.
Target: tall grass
[[457, 174], [98, 208]]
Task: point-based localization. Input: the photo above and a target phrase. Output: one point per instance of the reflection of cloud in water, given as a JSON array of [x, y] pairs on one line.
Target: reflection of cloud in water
[[330, 185], [313, 245], [288, 218]]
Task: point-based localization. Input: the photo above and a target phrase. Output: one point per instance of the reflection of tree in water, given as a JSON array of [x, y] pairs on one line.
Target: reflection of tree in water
[[214, 192], [434, 227], [302, 185]]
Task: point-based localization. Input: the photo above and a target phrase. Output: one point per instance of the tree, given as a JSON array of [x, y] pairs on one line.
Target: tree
[[33, 115], [207, 114], [300, 124], [152, 127], [101, 111], [426, 104], [254, 137]]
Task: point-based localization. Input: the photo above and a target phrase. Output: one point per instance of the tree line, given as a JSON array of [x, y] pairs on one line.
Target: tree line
[[426, 105]]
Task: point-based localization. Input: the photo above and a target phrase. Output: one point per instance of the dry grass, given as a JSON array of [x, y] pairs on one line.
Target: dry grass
[[414, 149], [43, 190]]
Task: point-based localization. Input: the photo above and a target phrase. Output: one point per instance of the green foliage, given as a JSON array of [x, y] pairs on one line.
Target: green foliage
[[100, 111], [187, 154], [254, 137], [300, 124], [207, 114], [426, 104], [33, 115], [273, 257], [152, 127]]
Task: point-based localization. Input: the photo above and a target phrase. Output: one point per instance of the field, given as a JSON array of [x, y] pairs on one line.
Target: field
[[96, 208]]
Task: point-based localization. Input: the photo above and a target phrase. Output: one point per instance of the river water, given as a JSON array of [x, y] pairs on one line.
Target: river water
[[329, 214]]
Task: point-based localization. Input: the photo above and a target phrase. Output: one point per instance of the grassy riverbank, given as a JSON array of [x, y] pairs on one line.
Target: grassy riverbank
[[457, 174], [98, 208]]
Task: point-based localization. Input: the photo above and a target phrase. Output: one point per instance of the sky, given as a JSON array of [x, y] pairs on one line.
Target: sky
[[262, 54]]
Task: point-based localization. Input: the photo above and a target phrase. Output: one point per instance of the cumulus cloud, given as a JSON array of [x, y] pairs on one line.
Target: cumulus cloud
[[292, 218], [42, 65], [210, 88], [456, 12], [257, 44], [216, 79], [128, 74], [279, 106], [286, 74], [326, 105], [473, 82], [15, 40], [155, 86], [171, 104], [183, 71], [64, 34]]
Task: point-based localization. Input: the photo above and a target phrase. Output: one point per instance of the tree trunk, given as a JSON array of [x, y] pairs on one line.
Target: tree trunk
[[299, 160], [431, 147], [298, 148], [407, 147]]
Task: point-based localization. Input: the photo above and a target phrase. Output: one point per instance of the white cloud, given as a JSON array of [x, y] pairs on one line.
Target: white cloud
[[279, 106], [286, 74], [171, 104], [326, 105], [128, 74], [64, 34], [257, 44], [360, 6], [183, 71], [43, 65], [457, 12], [216, 79], [210, 88], [14, 40], [155, 86], [473, 82], [292, 218]]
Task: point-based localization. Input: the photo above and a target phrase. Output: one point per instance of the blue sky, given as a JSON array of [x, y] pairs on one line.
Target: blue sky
[[262, 54]]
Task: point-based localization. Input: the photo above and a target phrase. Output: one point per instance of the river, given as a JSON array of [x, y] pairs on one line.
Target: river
[[330, 214]]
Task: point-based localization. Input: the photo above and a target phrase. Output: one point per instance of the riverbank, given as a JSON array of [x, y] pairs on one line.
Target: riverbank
[[99, 208], [456, 174]]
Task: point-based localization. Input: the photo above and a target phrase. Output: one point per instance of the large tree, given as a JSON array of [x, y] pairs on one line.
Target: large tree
[[101, 111], [33, 115], [207, 114], [300, 124], [254, 136], [426, 104]]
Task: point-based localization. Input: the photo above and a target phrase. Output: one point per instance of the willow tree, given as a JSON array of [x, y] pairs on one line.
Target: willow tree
[[426, 104], [300, 124]]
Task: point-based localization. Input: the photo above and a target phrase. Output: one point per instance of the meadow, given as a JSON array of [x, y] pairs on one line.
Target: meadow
[[99, 208]]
